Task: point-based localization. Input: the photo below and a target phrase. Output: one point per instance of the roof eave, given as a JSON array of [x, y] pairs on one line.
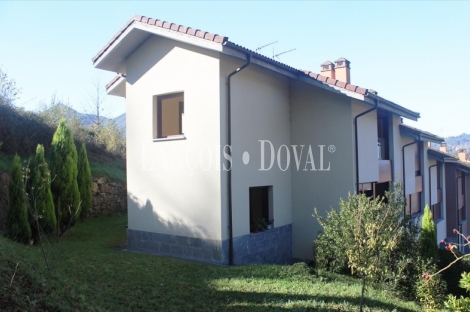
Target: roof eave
[[117, 87], [420, 136], [113, 57]]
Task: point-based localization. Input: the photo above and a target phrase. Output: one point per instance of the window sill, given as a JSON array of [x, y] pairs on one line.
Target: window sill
[[173, 138]]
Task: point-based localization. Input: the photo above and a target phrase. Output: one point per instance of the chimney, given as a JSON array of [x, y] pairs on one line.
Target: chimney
[[443, 147], [343, 71], [328, 69], [462, 156]]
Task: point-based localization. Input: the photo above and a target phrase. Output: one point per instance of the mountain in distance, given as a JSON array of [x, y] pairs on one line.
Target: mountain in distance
[[121, 122]]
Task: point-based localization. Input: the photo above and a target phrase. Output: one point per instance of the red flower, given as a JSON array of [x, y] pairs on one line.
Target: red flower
[[455, 230], [443, 241], [449, 247]]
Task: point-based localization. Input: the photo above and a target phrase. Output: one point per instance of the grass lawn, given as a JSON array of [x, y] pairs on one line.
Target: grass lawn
[[91, 273]]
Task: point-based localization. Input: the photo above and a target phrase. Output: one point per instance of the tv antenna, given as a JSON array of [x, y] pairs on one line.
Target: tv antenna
[[277, 55], [264, 46]]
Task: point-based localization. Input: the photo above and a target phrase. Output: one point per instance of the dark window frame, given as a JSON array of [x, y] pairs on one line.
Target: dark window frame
[[159, 115]]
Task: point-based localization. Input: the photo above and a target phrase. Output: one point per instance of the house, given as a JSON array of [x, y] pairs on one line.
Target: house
[[219, 136], [449, 195]]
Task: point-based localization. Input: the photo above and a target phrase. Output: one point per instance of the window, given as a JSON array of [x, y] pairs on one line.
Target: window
[[168, 112], [261, 204]]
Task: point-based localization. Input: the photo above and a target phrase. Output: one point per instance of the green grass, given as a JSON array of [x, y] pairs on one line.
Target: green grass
[[91, 272], [115, 170]]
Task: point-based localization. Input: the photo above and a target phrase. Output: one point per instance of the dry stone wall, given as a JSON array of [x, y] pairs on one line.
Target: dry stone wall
[[109, 197]]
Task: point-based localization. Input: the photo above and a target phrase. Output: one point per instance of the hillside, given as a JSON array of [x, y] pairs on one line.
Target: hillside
[[455, 143], [21, 131]]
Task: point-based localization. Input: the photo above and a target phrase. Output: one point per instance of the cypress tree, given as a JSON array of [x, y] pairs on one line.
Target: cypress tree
[[427, 238], [64, 173], [85, 182], [17, 215], [41, 202]]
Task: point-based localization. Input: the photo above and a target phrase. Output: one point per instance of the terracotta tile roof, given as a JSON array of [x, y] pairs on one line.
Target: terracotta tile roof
[[114, 80], [161, 24], [224, 41], [337, 83]]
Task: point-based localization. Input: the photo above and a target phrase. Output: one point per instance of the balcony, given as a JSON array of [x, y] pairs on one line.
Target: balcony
[[385, 170]]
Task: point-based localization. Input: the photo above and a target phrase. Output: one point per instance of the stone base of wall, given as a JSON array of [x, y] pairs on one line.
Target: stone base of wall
[[270, 246], [191, 248]]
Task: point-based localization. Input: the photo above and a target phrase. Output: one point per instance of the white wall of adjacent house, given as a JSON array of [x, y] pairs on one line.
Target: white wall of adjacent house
[[260, 111], [367, 142], [173, 188], [319, 117]]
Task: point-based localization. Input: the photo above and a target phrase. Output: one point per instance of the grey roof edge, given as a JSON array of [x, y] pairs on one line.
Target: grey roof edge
[[419, 134]]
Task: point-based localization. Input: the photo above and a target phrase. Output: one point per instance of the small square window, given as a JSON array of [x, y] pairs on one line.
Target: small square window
[[168, 115]]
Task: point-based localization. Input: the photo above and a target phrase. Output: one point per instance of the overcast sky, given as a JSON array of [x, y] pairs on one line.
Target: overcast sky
[[415, 54]]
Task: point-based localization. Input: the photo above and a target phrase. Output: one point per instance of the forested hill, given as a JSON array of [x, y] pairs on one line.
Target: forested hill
[[455, 143]]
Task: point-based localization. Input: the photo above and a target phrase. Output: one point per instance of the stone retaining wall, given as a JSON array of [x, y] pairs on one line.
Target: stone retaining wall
[[109, 197]]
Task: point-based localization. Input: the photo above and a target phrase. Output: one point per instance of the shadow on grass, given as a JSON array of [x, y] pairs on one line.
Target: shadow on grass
[[331, 302]]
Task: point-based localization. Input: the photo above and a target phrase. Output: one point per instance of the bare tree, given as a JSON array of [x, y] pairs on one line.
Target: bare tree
[[8, 90], [95, 105]]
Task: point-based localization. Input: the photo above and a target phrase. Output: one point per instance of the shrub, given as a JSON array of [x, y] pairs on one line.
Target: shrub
[[366, 232], [430, 291], [85, 182], [17, 216], [403, 269], [427, 238], [449, 275], [462, 304], [64, 172], [41, 203]]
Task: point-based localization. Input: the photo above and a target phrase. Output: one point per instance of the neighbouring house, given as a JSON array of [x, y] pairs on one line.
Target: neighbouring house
[[219, 137], [449, 195]]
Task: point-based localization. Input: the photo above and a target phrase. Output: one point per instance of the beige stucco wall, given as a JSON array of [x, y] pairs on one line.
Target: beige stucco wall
[[172, 187], [319, 117], [260, 111]]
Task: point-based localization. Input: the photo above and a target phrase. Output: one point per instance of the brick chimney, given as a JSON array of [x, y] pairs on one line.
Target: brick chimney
[[462, 155], [328, 69], [443, 147], [343, 71]]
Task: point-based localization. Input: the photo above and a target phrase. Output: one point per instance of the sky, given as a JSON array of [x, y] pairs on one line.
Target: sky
[[416, 54]]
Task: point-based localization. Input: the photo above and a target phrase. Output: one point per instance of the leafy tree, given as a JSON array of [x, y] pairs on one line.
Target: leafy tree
[[85, 181], [427, 238], [17, 215], [366, 232], [41, 203], [64, 172]]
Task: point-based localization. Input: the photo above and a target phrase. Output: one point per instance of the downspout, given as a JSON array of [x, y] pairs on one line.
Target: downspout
[[376, 103], [429, 183], [459, 226], [404, 172], [229, 144]]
